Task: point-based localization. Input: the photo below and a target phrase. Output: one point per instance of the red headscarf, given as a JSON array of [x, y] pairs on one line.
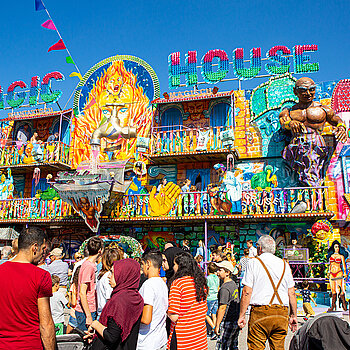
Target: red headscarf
[[126, 304]]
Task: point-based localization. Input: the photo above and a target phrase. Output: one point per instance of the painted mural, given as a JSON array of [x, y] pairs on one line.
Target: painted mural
[[121, 84]]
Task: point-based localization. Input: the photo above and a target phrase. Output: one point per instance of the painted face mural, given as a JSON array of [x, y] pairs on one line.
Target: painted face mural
[[125, 81]]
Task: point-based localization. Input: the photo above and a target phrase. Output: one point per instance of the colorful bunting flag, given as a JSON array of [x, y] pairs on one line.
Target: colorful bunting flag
[[39, 5], [76, 74], [49, 25], [69, 60], [58, 46]]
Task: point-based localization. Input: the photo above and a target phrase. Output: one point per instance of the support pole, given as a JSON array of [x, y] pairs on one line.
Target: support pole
[[206, 246]]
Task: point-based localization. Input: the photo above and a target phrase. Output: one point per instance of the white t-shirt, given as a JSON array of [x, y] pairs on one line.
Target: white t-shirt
[[252, 252], [57, 304], [103, 292], [153, 336], [256, 278]]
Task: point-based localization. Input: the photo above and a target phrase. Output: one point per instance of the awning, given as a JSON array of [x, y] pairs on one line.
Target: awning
[[8, 234]]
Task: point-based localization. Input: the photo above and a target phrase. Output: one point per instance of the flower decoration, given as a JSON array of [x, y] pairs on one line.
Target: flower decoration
[[189, 69], [238, 63], [207, 66], [45, 94], [11, 100], [300, 59], [281, 63]]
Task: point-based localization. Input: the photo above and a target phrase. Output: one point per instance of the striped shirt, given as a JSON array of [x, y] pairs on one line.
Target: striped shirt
[[190, 328]]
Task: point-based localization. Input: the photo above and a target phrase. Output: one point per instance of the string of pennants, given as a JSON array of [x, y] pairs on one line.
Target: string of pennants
[[60, 45]]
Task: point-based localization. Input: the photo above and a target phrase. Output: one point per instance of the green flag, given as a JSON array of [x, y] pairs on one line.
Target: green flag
[[69, 60]]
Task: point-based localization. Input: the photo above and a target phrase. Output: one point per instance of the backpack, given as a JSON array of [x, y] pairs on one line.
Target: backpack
[[323, 332]]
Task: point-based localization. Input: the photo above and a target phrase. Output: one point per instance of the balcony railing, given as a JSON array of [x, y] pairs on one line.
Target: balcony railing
[[276, 201], [181, 139], [34, 209], [191, 204], [34, 153], [285, 200]]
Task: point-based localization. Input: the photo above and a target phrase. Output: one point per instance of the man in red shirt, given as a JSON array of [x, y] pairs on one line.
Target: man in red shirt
[[86, 309], [25, 290]]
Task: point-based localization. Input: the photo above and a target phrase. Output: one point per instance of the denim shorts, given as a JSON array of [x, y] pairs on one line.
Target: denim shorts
[[212, 306], [72, 321]]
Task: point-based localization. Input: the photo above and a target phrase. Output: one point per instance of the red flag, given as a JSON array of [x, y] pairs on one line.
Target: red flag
[[58, 46]]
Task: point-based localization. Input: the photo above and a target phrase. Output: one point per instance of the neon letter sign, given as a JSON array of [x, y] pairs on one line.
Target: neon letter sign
[[278, 56], [238, 64], [280, 63], [189, 69], [207, 66]]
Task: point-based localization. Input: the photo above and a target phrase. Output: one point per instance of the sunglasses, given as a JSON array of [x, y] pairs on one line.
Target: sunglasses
[[311, 88]]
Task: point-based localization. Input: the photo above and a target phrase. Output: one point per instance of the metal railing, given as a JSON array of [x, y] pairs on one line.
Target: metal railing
[[189, 204], [285, 200], [34, 153], [33, 209], [177, 139], [276, 201]]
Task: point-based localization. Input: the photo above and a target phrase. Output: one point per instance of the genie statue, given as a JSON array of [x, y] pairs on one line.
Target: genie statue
[[307, 152], [111, 128]]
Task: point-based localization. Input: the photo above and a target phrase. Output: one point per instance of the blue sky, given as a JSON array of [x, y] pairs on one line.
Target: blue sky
[[151, 30]]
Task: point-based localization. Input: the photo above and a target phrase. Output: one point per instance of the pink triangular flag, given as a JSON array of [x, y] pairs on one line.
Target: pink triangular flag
[[58, 46], [49, 25]]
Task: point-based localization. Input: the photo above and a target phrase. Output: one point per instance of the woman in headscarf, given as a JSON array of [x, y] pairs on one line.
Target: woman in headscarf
[[119, 323]]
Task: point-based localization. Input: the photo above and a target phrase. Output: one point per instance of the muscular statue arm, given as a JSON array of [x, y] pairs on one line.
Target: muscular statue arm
[[285, 118], [288, 123]]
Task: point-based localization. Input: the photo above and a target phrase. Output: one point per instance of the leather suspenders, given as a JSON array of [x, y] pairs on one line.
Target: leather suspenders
[[275, 288]]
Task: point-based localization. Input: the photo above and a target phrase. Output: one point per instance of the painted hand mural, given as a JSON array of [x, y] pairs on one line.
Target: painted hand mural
[[160, 204]]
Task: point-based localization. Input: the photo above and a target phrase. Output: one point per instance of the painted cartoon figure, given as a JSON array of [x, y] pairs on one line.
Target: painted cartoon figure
[[337, 273], [88, 210], [111, 128], [230, 187]]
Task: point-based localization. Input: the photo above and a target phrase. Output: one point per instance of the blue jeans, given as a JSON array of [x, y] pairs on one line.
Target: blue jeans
[[81, 319]]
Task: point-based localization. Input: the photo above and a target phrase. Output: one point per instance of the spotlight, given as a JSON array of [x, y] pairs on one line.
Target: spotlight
[[215, 90], [166, 95]]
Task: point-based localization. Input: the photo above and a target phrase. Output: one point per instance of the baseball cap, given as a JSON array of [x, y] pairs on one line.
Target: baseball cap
[[57, 252], [226, 265]]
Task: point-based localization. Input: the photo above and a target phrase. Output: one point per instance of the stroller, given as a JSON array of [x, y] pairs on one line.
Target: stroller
[[72, 341], [323, 332]]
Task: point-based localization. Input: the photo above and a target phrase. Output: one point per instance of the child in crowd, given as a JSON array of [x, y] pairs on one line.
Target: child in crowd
[[57, 304], [228, 312], [243, 262], [212, 299], [72, 299], [199, 260], [152, 333], [306, 294]]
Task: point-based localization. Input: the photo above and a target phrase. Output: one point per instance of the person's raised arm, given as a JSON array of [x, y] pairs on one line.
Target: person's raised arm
[[84, 303], [46, 325], [293, 321], [245, 301], [147, 314]]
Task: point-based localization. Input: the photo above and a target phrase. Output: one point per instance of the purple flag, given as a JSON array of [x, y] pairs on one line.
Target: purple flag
[[39, 5], [49, 25]]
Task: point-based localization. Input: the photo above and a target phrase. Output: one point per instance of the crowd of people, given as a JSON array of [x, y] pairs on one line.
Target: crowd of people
[[162, 301]]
